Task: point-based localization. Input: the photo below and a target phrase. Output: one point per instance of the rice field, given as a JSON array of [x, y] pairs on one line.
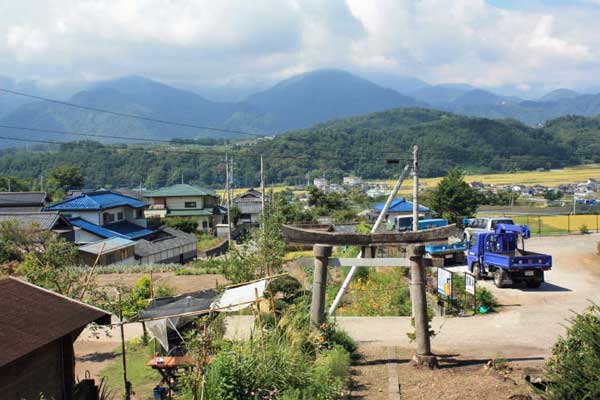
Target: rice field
[[550, 178], [557, 224]]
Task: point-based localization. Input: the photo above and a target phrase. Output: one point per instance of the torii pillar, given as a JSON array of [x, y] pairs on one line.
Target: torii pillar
[[317, 307]]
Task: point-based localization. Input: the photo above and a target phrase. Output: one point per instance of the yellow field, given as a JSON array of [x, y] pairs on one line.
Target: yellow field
[[551, 178]]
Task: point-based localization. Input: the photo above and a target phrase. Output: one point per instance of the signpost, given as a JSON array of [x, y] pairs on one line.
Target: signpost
[[471, 288], [444, 283]]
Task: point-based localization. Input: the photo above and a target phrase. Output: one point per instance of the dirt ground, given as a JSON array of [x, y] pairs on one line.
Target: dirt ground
[[387, 373], [179, 283]]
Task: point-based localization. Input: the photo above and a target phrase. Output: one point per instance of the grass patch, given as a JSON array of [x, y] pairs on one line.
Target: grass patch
[[142, 378], [206, 242]]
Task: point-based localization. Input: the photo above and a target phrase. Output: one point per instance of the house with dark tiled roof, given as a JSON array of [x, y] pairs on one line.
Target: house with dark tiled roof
[[186, 201], [23, 201], [104, 215], [37, 330], [41, 221]]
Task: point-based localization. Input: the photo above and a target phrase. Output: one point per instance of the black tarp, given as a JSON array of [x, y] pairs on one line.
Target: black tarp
[[174, 305]]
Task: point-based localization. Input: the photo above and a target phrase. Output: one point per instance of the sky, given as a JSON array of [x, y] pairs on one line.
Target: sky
[[520, 44]]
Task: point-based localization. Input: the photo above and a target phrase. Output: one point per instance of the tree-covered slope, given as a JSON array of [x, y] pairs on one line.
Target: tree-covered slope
[[357, 145]]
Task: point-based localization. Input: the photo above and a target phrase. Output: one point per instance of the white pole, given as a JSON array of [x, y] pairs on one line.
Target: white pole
[[415, 188], [380, 218]]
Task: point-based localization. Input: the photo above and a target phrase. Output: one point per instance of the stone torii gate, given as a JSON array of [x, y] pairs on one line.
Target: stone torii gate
[[323, 241]]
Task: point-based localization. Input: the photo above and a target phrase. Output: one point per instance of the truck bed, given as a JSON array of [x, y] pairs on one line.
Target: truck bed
[[518, 260]]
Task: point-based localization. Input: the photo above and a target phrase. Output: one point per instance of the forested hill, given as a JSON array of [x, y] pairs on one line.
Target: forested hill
[[358, 145]]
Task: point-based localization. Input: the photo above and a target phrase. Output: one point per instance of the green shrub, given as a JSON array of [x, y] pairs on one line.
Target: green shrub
[[486, 299], [574, 367], [189, 225], [341, 338], [583, 229]]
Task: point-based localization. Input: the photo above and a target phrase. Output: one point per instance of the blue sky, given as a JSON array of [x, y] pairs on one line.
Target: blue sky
[[526, 46]]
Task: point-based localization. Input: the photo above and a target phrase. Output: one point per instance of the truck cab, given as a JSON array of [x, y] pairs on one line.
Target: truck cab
[[501, 255]]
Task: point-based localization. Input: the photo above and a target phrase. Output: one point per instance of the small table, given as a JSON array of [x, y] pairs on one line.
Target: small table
[[168, 367]]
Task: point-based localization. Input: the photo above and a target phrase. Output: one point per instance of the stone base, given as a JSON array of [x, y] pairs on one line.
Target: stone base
[[427, 361]]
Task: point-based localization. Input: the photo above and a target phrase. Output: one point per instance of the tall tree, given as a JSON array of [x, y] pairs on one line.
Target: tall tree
[[66, 177], [453, 198]]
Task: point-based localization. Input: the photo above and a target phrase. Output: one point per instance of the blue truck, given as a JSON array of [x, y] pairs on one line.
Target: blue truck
[[498, 255]]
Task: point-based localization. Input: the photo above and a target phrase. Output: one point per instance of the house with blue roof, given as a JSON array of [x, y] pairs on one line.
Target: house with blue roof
[[104, 215], [400, 206]]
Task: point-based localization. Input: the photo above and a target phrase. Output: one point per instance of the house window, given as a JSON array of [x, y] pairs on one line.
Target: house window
[[139, 214], [107, 218], [190, 204], [119, 216], [204, 224]]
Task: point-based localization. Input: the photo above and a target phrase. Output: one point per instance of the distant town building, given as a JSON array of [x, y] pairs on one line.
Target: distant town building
[[351, 181], [477, 185], [321, 183]]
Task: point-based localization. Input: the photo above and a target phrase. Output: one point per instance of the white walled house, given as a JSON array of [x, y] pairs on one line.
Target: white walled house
[[186, 201]]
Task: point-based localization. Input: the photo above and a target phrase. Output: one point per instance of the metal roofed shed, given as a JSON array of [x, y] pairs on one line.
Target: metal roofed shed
[[172, 246], [181, 190], [108, 252], [400, 205], [99, 200], [37, 331]]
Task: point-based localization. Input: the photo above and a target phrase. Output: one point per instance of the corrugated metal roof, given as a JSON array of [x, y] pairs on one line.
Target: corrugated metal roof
[[400, 205], [43, 220], [107, 245], [181, 190], [174, 238], [96, 201], [31, 317], [124, 230]]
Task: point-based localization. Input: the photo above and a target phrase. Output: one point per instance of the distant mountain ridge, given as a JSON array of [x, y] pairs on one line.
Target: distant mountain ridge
[[295, 103]]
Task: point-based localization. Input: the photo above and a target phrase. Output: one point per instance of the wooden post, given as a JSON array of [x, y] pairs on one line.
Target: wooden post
[[123, 356], [228, 193], [262, 191], [419, 301], [317, 307]]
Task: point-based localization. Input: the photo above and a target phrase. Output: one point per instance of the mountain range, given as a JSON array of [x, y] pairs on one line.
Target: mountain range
[[297, 102]]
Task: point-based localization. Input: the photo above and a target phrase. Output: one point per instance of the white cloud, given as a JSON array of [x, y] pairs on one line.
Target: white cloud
[[220, 41]]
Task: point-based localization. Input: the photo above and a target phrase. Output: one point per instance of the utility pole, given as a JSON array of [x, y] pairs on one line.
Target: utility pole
[[415, 188], [262, 190], [378, 222], [42, 182], [8, 180], [228, 194]]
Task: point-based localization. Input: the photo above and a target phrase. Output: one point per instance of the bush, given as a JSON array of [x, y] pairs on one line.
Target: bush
[[341, 338], [486, 299], [189, 225], [574, 367], [584, 229]]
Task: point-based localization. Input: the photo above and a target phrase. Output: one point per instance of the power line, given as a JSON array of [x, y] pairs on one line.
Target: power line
[[125, 115]]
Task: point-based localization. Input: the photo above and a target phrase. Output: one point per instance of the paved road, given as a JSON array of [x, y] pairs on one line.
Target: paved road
[[526, 326]]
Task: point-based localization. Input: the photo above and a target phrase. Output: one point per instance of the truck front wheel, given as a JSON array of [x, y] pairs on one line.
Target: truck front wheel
[[499, 278]]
